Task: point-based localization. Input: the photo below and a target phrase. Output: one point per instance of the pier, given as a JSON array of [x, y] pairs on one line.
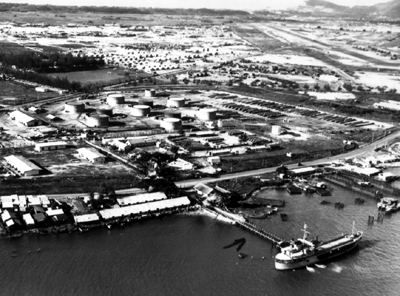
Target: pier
[[248, 225]]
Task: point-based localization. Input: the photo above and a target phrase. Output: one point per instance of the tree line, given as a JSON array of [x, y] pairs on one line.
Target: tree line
[[49, 62], [13, 7]]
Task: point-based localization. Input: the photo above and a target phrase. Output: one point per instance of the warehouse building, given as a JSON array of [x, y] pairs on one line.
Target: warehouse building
[[25, 119], [141, 198], [47, 146], [24, 166], [144, 208], [92, 155]]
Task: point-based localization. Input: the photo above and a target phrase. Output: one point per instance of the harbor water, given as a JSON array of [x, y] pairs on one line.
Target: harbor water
[[184, 255]]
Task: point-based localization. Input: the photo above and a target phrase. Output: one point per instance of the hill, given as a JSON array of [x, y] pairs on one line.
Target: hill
[[389, 9]]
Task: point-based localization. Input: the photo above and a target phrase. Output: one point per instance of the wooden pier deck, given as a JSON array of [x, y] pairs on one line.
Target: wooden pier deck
[[251, 227]]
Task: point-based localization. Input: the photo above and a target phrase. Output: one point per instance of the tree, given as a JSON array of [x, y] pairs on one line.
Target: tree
[[327, 87], [348, 87]]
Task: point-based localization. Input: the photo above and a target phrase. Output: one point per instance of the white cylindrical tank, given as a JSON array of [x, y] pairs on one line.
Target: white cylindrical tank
[[176, 102], [74, 107], [207, 114], [115, 99], [276, 129], [171, 124], [97, 120], [150, 93], [141, 110]]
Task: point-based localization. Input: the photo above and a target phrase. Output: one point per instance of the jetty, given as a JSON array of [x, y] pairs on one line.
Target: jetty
[[239, 220]]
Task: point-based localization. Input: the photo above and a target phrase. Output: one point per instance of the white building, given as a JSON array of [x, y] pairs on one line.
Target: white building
[[181, 165], [22, 165], [25, 119], [391, 105], [92, 155], [50, 146]]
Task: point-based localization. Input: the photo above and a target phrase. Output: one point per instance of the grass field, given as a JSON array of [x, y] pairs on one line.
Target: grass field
[[102, 76]]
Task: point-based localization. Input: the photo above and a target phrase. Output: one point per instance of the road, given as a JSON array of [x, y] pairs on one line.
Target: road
[[355, 153], [189, 183]]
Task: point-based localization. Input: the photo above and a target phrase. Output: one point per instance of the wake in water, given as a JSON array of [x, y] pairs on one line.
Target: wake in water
[[310, 269], [320, 265], [336, 268]]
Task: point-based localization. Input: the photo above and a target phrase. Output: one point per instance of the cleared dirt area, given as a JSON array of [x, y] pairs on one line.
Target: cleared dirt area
[[12, 93]]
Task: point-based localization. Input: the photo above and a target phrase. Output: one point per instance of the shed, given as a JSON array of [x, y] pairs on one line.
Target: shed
[[28, 219], [92, 155], [46, 146], [25, 119], [302, 171]]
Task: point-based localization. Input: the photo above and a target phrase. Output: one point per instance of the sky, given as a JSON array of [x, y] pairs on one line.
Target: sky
[[216, 4]]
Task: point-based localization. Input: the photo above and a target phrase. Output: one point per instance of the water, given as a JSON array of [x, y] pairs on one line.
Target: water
[[184, 255]]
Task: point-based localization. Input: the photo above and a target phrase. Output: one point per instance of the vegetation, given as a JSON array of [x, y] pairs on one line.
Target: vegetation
[[48, 62], [4, 7], [57, 82]]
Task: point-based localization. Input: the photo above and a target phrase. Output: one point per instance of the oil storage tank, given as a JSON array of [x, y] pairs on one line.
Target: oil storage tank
[[115, 99], [207, 114], [171, 124], [150, 93], [176, 102], [97, 120], [141, 110], [74, 107], [104, 110], [276, 129]]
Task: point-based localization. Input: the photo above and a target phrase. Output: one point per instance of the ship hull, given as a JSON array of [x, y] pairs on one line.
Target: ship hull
[[317, 257]]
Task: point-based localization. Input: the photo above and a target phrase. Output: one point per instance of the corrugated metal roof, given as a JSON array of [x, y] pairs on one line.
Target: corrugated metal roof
[[51, 212], [28, 219], [50, 144], [141, 198], [21, 163], [86, 218], [145, 207], [22, 117]]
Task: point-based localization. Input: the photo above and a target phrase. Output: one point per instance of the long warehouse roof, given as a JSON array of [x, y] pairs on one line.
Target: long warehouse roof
[[145, 207], [141, 198], [20, 162]]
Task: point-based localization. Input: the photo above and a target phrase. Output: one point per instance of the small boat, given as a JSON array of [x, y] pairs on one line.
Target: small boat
[[242, 255], [388, 204], [310, 269], [320, 265]]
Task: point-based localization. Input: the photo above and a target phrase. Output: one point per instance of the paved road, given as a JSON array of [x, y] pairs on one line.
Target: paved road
[[355, 153], [189, 183]]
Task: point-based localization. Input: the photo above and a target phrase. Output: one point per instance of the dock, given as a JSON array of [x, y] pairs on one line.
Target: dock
[[239, 220]]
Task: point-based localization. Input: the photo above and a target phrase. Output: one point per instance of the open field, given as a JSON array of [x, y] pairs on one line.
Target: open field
[[101, 76], [12, 93]]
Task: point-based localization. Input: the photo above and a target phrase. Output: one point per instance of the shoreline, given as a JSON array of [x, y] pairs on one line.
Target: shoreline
[[204, 212]]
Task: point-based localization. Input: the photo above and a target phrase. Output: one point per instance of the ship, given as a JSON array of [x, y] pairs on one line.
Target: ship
[[388, 204], [304, 252]]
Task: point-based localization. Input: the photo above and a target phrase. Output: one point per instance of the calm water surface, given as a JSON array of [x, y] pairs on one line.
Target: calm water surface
[[184, 255]]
